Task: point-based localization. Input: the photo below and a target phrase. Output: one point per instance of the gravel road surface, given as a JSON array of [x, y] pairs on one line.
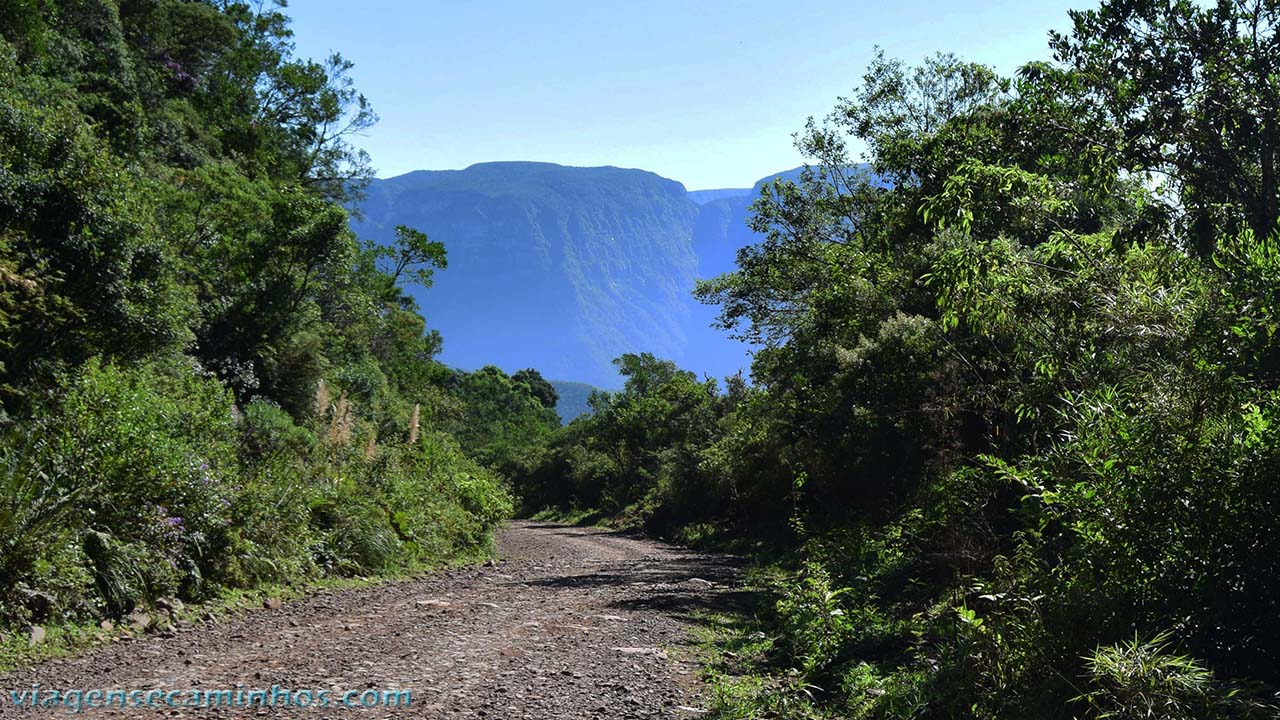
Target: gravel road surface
[[569, 623]]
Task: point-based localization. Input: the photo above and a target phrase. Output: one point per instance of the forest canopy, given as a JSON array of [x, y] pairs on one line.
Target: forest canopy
[[208, 383], [1014, 415]]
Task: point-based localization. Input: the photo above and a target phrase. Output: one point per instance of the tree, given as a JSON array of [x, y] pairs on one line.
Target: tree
[[503, 420], [86, 263], [412, 258], [1191, 90], [538, 386], [291, 118]]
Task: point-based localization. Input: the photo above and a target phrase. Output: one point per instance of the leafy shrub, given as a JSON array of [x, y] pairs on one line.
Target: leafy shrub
[[272, 538], [812, 621], [142, 484], [132, 463], [267, 430], [1136, 680]]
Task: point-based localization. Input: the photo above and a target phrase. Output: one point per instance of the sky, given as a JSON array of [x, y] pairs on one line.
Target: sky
[[706, 92]]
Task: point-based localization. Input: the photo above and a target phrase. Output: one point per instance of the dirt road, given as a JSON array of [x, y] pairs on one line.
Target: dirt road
[[570, 623]]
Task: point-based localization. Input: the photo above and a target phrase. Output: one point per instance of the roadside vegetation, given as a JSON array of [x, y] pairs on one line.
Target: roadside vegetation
[[1013, 422], [208, 384], [1008, 450]]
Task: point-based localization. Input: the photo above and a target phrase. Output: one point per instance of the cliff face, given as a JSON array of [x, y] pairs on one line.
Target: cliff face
[[551, 267], [564, 268]]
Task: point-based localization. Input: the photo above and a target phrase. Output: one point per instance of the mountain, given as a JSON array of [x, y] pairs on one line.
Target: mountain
[[573, 399], [551, 267], [702, 197], [565, 268], [721, 228]]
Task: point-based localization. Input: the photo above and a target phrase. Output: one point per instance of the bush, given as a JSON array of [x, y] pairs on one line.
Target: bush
[[134, 464], [267, 430], [140, 483], [812, 621], [1136, 680]]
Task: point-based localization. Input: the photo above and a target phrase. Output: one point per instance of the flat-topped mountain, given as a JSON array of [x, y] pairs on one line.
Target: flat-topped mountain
[[564, 268]]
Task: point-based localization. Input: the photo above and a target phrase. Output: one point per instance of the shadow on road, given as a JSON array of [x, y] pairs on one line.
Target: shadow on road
[[687, 588]]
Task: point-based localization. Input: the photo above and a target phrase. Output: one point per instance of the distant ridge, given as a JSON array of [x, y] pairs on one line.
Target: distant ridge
[[564, 268], [702, 197], [573, 399]]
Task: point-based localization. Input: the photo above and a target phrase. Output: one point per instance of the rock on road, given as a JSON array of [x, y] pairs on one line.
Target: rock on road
[[570, 623]]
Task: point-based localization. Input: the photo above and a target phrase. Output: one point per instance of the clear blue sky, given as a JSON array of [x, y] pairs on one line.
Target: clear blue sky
[[707, 92]]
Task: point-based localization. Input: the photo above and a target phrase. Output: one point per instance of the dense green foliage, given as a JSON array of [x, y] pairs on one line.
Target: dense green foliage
[[207, 382], [1015, 410], [502, 416]]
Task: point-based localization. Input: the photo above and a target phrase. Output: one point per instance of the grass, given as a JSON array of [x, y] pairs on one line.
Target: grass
[[708, 537], [733, 648], [737, 651]]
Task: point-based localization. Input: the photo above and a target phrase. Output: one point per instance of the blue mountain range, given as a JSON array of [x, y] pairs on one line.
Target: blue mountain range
[[565, 268]]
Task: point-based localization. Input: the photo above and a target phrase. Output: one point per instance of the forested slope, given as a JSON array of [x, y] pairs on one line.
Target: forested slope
[[207, 382]]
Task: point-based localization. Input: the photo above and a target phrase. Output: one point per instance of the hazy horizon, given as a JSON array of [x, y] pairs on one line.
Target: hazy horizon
[[708, 94], [743, 186]]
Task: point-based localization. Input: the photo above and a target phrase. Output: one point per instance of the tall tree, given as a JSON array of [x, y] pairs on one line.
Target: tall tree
[[1193, 91]]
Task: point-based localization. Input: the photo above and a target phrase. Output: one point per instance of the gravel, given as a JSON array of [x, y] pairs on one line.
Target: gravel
[[569, 623]]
